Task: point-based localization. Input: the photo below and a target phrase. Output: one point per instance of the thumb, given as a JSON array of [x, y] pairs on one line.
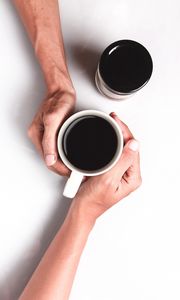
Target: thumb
[[49, 145], [127, 157]]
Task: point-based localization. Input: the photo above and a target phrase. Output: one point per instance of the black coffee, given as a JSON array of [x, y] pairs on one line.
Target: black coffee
[[125, 66], [90, 143]]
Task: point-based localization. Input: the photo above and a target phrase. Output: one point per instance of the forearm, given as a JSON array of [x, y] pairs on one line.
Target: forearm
[[54, 276], [42, 22]]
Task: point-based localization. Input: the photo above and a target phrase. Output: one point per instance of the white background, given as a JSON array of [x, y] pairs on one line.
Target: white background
[[133, 251]]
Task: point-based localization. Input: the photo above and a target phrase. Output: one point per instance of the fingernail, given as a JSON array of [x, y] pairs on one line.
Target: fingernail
[[113, 114], [50, 159], [134, 145]]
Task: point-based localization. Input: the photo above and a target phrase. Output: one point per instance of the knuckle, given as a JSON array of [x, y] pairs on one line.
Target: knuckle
[[128, 152], [30, 131], [125, 125], [48, 118], [136, 182], [47, 144], [134, 185], [127, 156]]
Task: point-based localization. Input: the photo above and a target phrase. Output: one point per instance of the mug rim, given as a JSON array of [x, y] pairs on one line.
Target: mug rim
[[113, 124]]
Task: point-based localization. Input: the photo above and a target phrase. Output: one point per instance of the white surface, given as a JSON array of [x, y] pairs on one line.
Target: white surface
[[133, 252]]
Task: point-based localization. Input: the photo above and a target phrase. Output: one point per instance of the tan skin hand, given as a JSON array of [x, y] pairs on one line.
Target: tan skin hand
[[45, 126], [99, 193], [41, 19], [55, 273]]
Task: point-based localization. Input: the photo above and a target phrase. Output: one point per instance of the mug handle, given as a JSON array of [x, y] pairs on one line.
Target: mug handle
[[73, 184]]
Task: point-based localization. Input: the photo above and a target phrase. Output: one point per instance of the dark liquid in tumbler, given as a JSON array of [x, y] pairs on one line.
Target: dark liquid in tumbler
[[90, 143], [125, 66]]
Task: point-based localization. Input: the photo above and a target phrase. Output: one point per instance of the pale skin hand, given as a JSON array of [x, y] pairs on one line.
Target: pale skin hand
[[53, 278], [42, 22]]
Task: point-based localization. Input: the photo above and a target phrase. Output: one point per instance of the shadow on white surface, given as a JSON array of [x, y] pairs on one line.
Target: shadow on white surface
[[12, 286], [30, 92], [86, 60], [16, 277]]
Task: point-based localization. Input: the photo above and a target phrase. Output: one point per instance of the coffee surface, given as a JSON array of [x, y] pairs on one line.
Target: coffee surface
[[125, 66], [90, 143]]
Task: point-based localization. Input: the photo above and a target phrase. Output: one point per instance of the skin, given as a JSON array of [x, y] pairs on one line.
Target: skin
[[42, 22], [55, 273]]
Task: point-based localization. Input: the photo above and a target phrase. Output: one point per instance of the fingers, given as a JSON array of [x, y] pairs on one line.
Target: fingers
[[133, 169], [127, 134], [45, 144], [133, 174], [44, 128], [127, 159], [49, 147], [131, 180], [60, 168], [49, 144], [36, 137]]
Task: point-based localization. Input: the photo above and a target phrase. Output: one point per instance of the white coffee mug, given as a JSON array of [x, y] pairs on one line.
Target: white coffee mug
[[76, 177]]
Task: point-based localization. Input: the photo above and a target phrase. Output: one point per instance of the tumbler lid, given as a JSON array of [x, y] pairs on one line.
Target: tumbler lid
[[125, 66]]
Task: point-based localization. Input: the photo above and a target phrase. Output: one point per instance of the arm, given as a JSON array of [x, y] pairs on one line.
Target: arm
[[42, 22], [54, 276]]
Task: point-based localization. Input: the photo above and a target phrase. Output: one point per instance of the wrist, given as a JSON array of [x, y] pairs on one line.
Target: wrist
[[57, 80], [55, 71], [90, 208], [79, 213]]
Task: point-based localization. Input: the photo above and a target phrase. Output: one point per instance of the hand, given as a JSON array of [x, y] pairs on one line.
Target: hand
[[45, 126], [99, 193]]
